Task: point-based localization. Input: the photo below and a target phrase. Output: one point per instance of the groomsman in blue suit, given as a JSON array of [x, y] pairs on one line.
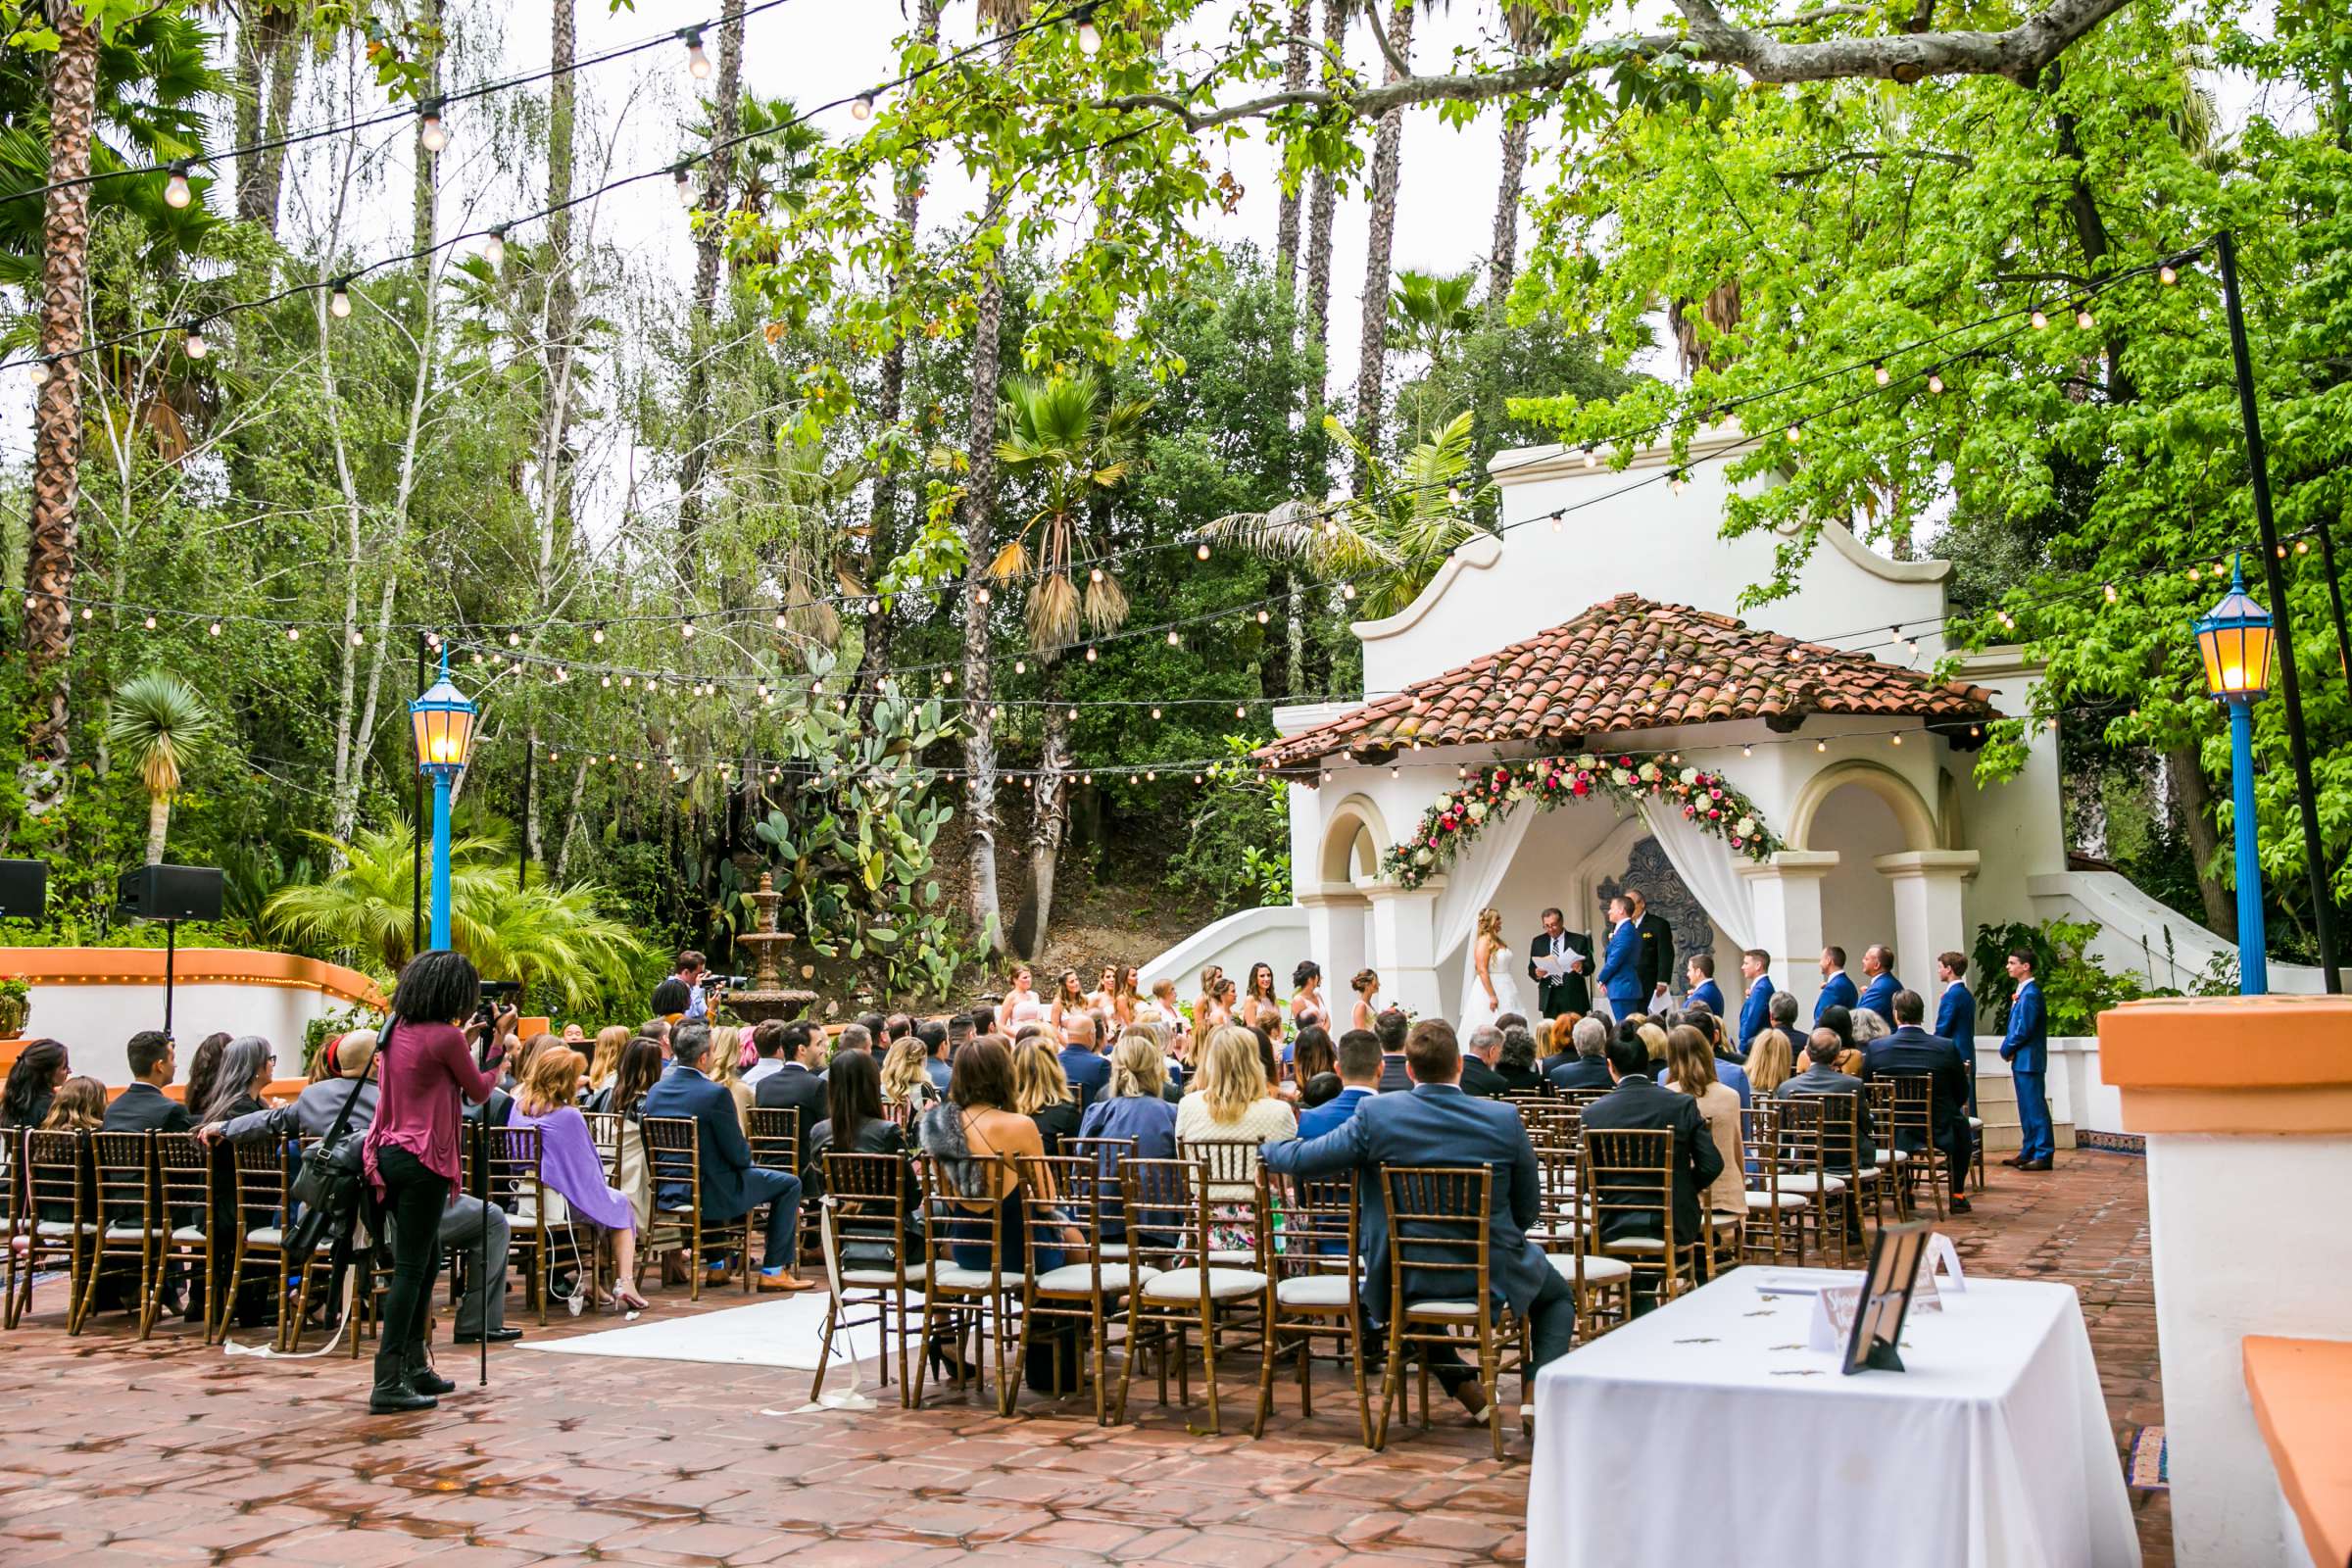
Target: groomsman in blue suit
[[1620, 971], [1699, 974], [1956, 1015], [1837, 990], [1878, 967], [2027, 1049], [1756, 1012]]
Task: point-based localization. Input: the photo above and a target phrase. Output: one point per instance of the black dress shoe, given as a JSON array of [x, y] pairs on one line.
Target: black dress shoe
[[2033, 1165], [494, 1335], [1961, 1205]]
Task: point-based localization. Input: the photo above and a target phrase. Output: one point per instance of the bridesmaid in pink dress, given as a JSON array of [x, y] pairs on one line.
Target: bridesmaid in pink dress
[[1023, 1005]]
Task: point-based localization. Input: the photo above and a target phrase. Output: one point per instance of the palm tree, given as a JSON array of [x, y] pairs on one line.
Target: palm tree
[[1321, 205], [1390, 538], [1294, 77], [1388, 162], [545, 935], [1429, 314], [1077, 445], [156, 720], [726, 120], [51, 529], [1527, 21]]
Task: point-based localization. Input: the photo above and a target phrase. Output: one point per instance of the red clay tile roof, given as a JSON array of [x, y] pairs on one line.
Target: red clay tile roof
[[1632, 664]]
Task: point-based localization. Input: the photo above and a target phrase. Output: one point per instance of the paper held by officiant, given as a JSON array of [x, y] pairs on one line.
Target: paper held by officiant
[[1558, 969]]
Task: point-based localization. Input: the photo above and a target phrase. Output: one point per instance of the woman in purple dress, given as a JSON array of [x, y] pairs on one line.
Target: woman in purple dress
[[569, 1165]]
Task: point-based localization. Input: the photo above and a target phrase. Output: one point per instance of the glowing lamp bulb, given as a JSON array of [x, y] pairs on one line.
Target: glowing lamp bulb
[[2041, 322], [338, 304], [698, 62], [177, 192], [1936, 383], [2167, 274], [1879, 374], [195, 347], [861, 107], [2083, 317], [494, 249]]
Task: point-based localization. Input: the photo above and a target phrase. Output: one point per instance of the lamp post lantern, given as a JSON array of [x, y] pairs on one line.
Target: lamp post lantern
[[443, 723], [2235, 639]]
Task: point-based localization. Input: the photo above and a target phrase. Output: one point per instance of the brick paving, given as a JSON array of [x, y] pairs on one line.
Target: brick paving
[[162, 1452]]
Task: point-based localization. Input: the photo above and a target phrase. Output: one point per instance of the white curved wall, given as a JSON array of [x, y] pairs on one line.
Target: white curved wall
[[1275, 936]]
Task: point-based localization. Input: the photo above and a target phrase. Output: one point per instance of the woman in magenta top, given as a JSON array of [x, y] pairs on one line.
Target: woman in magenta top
[[411, 1155]]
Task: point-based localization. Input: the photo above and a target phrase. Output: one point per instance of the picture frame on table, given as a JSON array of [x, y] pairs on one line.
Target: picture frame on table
[[1887, 1286]]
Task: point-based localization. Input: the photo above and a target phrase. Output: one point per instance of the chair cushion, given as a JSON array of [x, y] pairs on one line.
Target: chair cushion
[[1113, 1251], [62, 1227], [950, 1277], [1597, 1270], [1466, 1312], [1184, 1285], [187, 1233], [1314, 1290], [1232, 1257], [265, 1235], [871, 1277], [1637, 1243], [126, 1233], [1811, 1180], [1078, 1278], [1786, 1201]]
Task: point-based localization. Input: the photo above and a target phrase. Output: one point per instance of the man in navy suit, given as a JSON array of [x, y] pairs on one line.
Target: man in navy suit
[[1956, 1015], [732, 1185], [1700, 973], [1436, 1124], [1087, 1069], [1588, 1066], [1837, 990], [1639, 1102], [1755, 1009], [1621, 970], [1359, 1079], [1910, 1052], [1877, 968], [2027, 1049]]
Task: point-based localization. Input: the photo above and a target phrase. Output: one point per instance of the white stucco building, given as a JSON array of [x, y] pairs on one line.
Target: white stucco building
[[1610, 628]]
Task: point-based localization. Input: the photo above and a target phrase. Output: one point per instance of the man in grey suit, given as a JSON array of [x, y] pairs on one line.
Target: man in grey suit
[[1436, 1124], [1820, 1078]]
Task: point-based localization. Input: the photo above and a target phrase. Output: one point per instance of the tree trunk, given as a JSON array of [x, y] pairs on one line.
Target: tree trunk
[[563, 302], [245, 119], [50, 526], [1388, 159], [882, 543], [2186, 771], [285, 67], [979, 539], [1293, 76], [1504, 262], [159, 825], [571, 820], [726, 120], [1322, 205], [1049, 811], [427, 215], [268, 57]]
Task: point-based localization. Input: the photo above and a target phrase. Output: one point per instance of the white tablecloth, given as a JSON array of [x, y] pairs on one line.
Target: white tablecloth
[[1692, 1436]]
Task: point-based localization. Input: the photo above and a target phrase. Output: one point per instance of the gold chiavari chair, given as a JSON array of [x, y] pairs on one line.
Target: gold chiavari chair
[[1804, 1170], [866, 1259], [59, 1220], [673, 1154], [1841, 1126], [1911, 1120], [1878, 1111], [1440, 1284], [774, 1133], [605, 1131], [1318, 1285], [1628, 1174], [1107, 1154], [1061, 1210], [122, 1166], [1775, 1219], [183, 1181], [13, 1217], [258, 1213], [967, 1302], [1172, 1230], [539, 1217]]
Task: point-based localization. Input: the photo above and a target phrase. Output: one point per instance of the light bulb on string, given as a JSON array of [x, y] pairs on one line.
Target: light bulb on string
[[2110, 590], [150, 622], [1155, 713], [1240, 711], [1592, 458], [1796, 432], [494, 247], [2167, 274], [357, 640], [38, 370], [698, 62], [214, 630], [338, 302], [1346, 590], [514, 639], [2083, 317], [1675, 481], [1878, 372], [1090, 656], [1936, 383], [687, 630], [1201, 552], [2041, 322], [597, 635], [1175, 641], [293, 633], [177, 192], [1263, 617], [193, 344], [1090, 35], [431, 134], [1020, 667], [678, 172], [861, 107], [1073, 715], [1095, 575]]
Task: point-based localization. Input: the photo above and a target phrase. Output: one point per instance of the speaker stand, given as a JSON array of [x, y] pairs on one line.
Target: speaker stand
[[171, 955]]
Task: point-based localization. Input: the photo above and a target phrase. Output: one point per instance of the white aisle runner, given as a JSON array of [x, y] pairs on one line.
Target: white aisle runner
[[785, 1333]]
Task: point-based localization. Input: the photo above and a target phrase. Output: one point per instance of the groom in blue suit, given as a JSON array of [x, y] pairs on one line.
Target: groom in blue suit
[[1837, 987], [1878, 965], [1756, 1012], [1620, 971], [2027, 1049]]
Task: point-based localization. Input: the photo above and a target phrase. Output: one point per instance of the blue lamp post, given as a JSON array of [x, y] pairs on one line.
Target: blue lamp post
[[443, 720], [2235, 641]]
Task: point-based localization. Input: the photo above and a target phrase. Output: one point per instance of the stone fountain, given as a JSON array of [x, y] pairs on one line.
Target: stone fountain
[[768, 999]]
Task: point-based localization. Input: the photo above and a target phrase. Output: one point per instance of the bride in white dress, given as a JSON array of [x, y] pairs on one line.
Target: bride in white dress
[[1490, 988]]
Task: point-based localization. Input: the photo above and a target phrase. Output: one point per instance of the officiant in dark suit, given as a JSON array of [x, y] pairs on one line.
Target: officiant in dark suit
[[1572, 992]]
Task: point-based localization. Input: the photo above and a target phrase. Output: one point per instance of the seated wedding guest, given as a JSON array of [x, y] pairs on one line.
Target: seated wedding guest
[[570, 1164], [1692, 1067], [732, 1185], [979, 1141], [1314, 1064], [1269, 1063], [726, 1069], [1781, 1007], [1388, 1026], [144, 1106], [204, 1065], [1654, 1041], [905, 1078], [79, 1106], [1041, 1092], [1767, 1065], [897, 1027], [1839, 1021], [1436, 1124], [605, 1061], [984, 1022], [658, 1031], [854, 1037], [938, 1041], [1083, 1066], [247, 1065], [1516, 1064], [1479, 1056], [1557, 1043], [855, 1122], [1638, 1101], [1358, 1075], [1135, 1104], [1869, 1027], [1728, 1071], [671, 999], [1910, 1052], [1229, 1103], [1587, 1067], [1822, 1077]]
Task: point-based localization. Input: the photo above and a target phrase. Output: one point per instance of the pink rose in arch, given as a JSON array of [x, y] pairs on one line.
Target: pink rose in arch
[[1690, 810], [1714, 812], [1714, 795], [1734, 844], [1432, 843]]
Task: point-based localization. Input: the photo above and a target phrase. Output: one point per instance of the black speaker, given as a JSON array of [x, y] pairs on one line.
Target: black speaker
[[24, 889], [170, 893]]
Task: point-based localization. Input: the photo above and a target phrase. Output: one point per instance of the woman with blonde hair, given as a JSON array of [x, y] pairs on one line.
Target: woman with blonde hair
[[1229, 1103], [1068, 998], [1205, 1011], [1041, 1091], [1366, 986], [1490, 988], [1690, 1061], [607, 1059], [1134, 1106], [1653, 1039], [1127, 994], [79, 1106], [724, 1065], [906, 1091], [570, 1165], [1767, 1065]]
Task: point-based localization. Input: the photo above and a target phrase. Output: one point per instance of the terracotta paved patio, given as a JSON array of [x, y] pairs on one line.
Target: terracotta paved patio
[[122, 1453]]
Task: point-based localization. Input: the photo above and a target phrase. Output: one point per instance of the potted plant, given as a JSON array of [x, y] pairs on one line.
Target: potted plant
[[16, 1007]]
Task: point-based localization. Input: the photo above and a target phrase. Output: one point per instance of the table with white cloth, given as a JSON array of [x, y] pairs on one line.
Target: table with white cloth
[[1708, 1431]]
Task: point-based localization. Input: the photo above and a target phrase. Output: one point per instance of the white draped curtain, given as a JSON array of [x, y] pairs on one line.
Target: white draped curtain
[[1473, 880], [1705, 863]]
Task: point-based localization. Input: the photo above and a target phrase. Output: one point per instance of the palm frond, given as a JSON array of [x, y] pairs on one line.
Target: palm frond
[[1105, 606], [155, 719]]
